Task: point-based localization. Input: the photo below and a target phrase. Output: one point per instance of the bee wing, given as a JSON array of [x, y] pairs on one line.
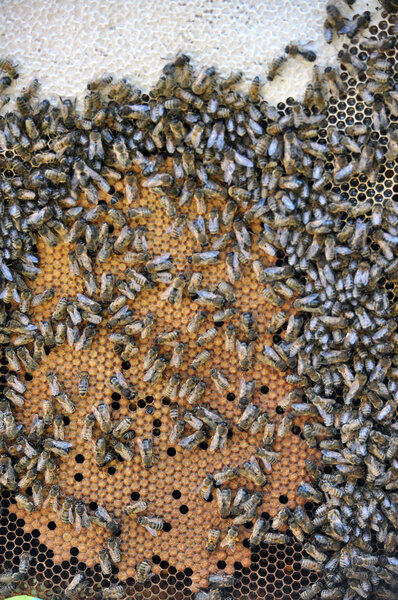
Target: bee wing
[[78, 523], [151, 530]]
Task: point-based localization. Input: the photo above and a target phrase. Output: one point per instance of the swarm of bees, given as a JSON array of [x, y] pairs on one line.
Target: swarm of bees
[[230, 170]]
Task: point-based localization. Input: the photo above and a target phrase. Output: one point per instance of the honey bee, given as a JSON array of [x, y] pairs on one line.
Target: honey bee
[[67, 511], [205, 488], [213, 538], [59, 428], [48, 411], [275, 67], [151, 524], [171, 389], [37, 493], [276, 538], [76, 585], [210, 299], [220, 381], [143, 570], [194, 283], [231, 538], [260, 528], [220, 580], [113, 592], [65, 402], [145, 448], [300, 50], [105, 561], [88, 425], [252, 471], [59, 312], [200, 359], [177, 431], [196, 321], [119, 384], [224, 499], [247, 418], [193, 440], [136, 508], [219, 439], [232, 267], [82, 519]]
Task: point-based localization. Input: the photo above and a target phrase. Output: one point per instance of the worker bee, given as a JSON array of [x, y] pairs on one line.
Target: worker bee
[[196, 321], [52, 380], [143, 570], [67, 511], [76, 585], [59, 427], [231, 538], [151, 524], [193, 440], [213, 538], [105, 561], [171, 389], [293, 49], [220, 381], [145, 448], [113, 592], [205, 488], [177, 355], [224, 499], [219, 439], [82, 519], [275, 67], [252, 471], [220, 580], [37, 493], [207, 337], [83, 383], [260, 528], [200, 359], [136, 508], [88, 425]]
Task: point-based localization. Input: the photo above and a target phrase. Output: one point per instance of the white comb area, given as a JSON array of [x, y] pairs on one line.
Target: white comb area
[[65, 43]]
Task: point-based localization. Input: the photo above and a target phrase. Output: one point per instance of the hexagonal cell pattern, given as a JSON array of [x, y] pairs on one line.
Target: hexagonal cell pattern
[[179, 559]]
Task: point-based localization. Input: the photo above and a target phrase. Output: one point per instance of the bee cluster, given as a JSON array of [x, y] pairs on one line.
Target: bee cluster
[[258, 192]]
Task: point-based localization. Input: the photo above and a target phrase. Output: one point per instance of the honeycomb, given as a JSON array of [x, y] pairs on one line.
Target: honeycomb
[[180, 561], [103, 37]]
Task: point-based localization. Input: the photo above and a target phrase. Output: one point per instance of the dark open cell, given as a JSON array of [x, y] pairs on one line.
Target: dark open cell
[[141, 403], [171, 451], [203, 445], [231, 396], [93, 505], [157, 422], [115, 396], [279, 410], [156, 559], [115, 405], [221, 564], [79, 477], [166, 401], [183, 509], [166, 527], [126, 365], [176, 494], [66, 420], [28, 377], [135, 496], [79, 458], [156, 432], [149, 399], [111, 470]]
